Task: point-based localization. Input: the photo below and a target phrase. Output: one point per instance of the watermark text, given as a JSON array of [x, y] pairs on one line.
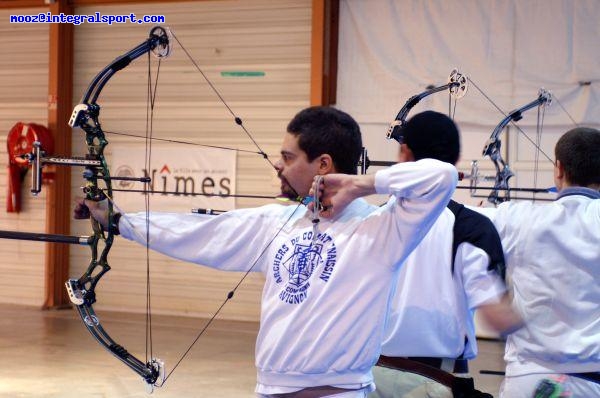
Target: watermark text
[[47, 17]]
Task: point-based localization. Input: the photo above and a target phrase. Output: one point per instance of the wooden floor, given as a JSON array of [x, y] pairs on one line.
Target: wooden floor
[[51, 354]]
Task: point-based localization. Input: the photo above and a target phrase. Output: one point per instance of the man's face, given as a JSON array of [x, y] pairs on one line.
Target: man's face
[[294, 170]]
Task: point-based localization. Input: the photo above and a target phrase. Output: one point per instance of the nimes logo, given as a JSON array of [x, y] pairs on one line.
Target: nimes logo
[[179, 182]]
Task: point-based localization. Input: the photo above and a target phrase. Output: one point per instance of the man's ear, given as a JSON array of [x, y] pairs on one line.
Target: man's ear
[[405, 154], [326, 165], [559, 175], [559, 170]]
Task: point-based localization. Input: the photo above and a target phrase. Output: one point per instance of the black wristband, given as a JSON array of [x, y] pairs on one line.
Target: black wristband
[[114, 226]]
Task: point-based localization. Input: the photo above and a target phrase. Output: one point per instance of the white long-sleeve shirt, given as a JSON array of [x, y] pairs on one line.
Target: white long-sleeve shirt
[[553, 265], [431, 311], [324, 300]]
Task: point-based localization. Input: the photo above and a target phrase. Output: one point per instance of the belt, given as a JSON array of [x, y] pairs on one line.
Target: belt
[[590, 376], [434, 369], [418, 367], [312, 392], [447, 365]]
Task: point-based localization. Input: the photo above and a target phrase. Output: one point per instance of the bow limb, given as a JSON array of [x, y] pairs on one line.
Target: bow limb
[[457, 86]]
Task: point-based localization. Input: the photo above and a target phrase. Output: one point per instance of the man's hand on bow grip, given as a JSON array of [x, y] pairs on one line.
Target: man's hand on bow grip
[[338, 190], [84, 208]]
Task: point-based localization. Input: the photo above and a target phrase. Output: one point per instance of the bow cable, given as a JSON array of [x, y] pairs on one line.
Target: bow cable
[[230, 295]]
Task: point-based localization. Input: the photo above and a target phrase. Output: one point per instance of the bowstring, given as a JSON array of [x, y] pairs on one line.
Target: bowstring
[[541, 112], [231, 294], [237, 119], [150, 101], [454, 107], [181, 142], [565, 111]]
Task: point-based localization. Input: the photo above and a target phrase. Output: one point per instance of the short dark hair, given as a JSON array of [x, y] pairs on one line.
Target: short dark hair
[[432, 135], [578, 151], [325, 130]]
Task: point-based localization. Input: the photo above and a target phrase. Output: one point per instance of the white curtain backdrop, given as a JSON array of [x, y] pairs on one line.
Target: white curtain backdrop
[[390, 50]]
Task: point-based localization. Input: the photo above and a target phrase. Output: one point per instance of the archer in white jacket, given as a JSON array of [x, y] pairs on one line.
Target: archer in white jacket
[[325, 298], [553, 264], [328, 282], [456, 269]]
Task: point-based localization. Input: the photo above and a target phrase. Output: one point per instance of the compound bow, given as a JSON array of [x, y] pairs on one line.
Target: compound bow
[[81, 291], [457, 87], [86, 116], [492, 150]]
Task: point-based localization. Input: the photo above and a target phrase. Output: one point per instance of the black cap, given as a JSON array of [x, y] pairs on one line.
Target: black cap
[[433, 135]]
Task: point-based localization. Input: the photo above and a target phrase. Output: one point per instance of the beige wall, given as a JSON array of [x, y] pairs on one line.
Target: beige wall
[[23, 98]]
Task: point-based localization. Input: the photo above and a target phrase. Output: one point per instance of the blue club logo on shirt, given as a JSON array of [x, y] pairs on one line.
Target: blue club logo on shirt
[[296, 261]]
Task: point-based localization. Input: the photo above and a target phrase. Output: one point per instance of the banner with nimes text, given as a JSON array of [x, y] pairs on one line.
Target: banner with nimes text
[[179, 179]]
